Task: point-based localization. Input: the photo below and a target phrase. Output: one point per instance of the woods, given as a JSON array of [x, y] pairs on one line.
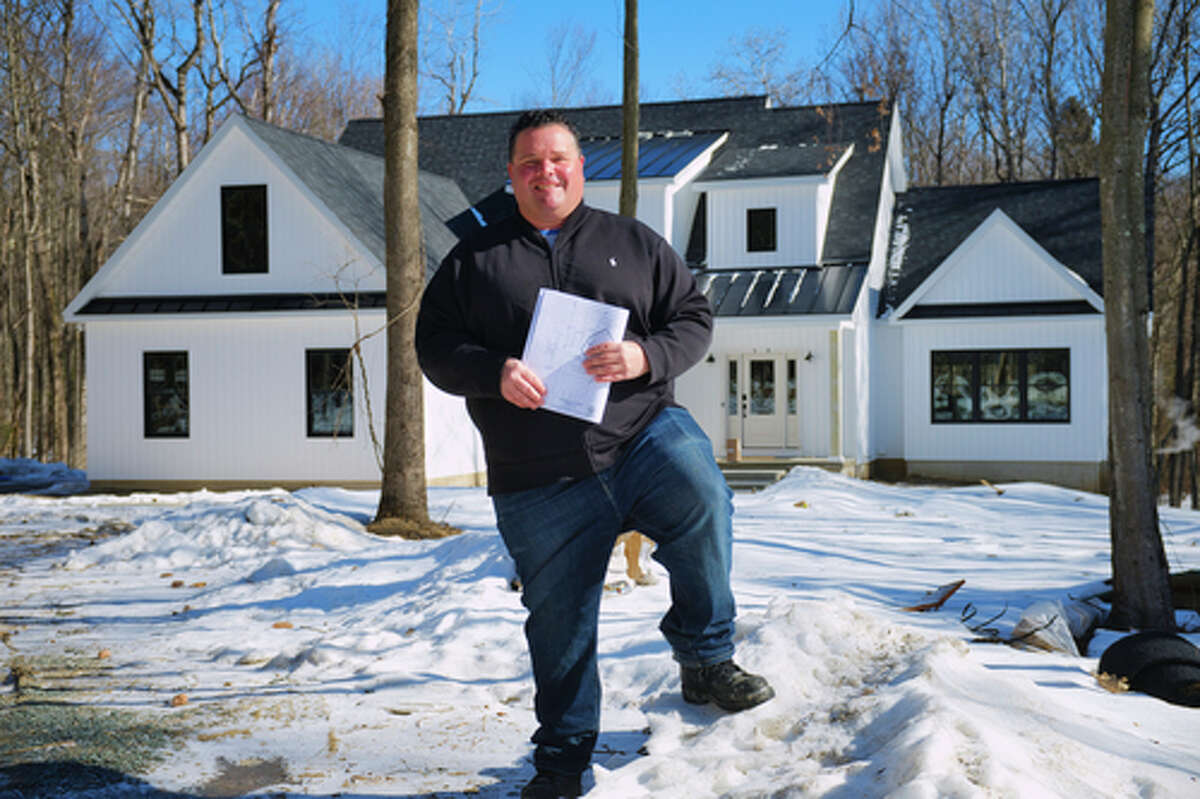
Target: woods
[[104, 102]]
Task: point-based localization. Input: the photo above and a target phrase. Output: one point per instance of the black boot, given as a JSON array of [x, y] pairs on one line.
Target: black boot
[[724, 684], [552, 785]]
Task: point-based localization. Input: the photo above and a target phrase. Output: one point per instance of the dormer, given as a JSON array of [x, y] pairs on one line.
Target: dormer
[[668, 164], [768, 205]]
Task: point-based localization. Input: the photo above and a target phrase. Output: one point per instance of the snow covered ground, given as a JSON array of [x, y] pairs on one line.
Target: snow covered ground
[[306, 657]]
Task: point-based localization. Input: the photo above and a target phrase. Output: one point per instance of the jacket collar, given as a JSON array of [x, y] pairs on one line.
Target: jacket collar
[[565, 230]]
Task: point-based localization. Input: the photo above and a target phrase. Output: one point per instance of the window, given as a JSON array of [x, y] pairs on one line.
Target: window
[[731, 402], [165, 394], [330, 393], [243, 230], [760, 230], [762, 388], [1001, 386], [791, 386]]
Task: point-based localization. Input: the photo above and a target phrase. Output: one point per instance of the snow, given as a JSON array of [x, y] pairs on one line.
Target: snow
[[368, 666]]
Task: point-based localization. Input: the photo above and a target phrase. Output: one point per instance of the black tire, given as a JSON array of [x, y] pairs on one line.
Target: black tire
[[1133, 653], [1177, 683]]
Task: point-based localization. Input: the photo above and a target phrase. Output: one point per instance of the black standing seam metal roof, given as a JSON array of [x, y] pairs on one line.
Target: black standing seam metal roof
[[929, 223], [233, 303], [783, 291]]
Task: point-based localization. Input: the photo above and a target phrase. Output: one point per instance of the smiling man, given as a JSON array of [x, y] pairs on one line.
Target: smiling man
[[564, 489]]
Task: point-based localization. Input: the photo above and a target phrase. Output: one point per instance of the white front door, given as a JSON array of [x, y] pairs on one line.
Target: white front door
[[761, 400]]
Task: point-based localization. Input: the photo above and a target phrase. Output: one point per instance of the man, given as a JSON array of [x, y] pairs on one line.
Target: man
[[563, 489]]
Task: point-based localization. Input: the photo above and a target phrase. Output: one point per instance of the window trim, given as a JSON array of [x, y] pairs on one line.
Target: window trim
[[751, 239], [975, 358], [344, 354], [227, 192], [147, 432]]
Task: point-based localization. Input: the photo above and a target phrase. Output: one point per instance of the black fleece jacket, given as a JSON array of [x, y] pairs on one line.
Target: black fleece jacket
[[476, 311]]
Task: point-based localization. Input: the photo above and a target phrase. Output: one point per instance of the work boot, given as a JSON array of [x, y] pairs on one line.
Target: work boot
[[724, 684], [552, 785]]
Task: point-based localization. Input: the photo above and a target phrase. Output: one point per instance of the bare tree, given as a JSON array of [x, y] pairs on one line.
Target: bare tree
[[403, 507], [997, 63], [171, 83], [1142, 595], [1047, 22], [25, 35], [755, 64], [568, 67], [453, 46], [630, 112]]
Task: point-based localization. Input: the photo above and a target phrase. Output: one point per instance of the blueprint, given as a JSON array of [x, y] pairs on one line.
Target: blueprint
[[563, 327]]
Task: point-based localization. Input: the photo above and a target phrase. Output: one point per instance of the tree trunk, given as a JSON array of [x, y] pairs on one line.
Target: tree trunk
[[1142, 596], [629, 115], [403, 508], [270, 50]]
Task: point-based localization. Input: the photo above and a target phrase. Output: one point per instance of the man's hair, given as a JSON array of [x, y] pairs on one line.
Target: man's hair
[[538, 118]]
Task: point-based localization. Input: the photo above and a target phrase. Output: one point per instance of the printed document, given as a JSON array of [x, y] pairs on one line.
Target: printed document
[[564, 326]]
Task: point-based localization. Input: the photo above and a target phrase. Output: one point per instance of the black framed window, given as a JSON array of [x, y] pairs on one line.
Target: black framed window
[[243, 230], [1001, 386], [330, 391], [165, 394], [760, 230]]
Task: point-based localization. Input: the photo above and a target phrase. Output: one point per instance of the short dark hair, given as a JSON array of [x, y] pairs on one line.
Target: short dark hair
[[538, 118]]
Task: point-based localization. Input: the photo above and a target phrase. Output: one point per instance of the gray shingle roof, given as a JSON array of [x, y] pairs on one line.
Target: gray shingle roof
[[350, 183], [471, 149], [929, 223], [771, 160]]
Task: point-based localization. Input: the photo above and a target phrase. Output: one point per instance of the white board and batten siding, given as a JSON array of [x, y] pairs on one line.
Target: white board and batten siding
[[703, 389], [654, 205], [177, 248], [1081, 440], [1000, 263], [236, 434], [802, 208]]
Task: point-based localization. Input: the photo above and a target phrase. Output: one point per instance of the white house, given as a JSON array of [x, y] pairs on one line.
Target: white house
[[219, 334], [861, 325]]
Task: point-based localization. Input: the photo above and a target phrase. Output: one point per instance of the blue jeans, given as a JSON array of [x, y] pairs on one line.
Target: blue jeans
[[667, 486]]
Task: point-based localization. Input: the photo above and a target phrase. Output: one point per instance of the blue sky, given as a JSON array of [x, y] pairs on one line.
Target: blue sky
[[679, 41]]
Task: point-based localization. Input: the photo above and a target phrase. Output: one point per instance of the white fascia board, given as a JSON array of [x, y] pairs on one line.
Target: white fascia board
[[789, 321], [104, 273], [1000, 219], [777, 180], [899, 173], [700, 162]]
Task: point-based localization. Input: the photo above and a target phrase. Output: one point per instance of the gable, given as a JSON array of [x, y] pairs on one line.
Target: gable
[[995, 249], [176, 248], [999, 263]]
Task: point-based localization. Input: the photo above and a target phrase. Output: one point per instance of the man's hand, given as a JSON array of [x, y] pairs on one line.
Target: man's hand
[[614, 361], [520, 386]]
